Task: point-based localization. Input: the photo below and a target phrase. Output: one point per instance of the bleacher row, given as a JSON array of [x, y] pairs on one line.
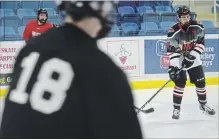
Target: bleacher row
[[133, 17], [148, 18], [14, 15]]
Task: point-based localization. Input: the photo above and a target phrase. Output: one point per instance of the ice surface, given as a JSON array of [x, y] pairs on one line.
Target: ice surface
[[192, 123], [159, 124]]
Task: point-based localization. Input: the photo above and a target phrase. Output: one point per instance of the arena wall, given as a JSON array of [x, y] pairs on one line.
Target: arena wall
[[143, 59]]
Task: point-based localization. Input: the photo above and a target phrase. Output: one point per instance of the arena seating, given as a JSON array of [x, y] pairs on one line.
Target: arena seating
[[143, 18]]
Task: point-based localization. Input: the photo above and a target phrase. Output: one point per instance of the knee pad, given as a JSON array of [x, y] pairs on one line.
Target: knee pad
[[181, 83], [200, 84]]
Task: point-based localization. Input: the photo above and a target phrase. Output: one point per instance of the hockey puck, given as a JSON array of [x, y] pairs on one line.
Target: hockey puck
[[150, 110]]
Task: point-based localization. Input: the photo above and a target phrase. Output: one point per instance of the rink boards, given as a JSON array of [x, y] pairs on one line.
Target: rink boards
[[143, 59]]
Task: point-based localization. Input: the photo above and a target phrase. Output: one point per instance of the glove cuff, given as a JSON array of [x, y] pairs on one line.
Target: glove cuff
[[190, 60]]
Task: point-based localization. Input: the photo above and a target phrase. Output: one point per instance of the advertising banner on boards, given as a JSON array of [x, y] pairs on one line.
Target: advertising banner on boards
[[156, 60], [126, 55]]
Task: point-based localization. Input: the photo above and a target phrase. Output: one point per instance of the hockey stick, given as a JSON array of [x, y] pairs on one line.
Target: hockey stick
[[152, 109], [146, 111]]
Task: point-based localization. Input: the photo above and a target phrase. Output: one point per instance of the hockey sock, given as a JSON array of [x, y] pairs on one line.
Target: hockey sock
[[201, 93], [177, 96]]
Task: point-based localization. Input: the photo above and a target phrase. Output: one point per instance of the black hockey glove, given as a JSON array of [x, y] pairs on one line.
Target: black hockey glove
[[173, 73], [188, 60]]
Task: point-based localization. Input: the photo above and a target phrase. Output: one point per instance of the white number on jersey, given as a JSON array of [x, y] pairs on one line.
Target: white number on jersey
[[44, 83]]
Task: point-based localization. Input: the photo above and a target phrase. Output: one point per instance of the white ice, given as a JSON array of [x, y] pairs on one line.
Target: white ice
[[192, 123]]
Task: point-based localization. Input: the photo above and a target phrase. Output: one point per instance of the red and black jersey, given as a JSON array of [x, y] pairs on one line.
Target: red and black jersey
[[186, 38], [182, 40]]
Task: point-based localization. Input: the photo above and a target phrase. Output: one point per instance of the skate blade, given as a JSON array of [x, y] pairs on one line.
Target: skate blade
[[208, 114], [175, 118]]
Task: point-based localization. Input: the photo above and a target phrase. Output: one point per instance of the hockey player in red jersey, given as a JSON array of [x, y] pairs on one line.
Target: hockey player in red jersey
[[37, 27], [185, 45]]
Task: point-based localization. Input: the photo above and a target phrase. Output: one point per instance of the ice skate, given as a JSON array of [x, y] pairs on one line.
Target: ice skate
[[207, 110], [176, 114]]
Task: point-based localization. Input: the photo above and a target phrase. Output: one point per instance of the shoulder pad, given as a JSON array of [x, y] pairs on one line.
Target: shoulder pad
[[172, 30], [197, 22], [175, 27]]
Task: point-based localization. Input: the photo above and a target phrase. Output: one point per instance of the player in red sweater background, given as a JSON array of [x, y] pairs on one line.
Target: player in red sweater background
[[37, 27]]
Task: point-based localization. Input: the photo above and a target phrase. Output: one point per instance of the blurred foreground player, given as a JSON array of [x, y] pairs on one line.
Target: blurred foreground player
[[65, 87], [185, 45], [37, 27]]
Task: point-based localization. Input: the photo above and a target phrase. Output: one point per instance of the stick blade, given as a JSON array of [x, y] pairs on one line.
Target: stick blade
[[150, 110]]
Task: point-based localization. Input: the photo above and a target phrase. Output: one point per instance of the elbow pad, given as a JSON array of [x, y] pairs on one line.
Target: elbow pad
[[198, 50]]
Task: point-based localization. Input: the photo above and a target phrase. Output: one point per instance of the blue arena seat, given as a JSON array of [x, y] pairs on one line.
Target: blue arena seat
[[162, 3], [127, 3], [151, 17], [166, 25], [130, 29], [26, 19], [8, 33], [144, 9], [131, 18], [51, 11], [145, 3], [126, 10], [30, 4], [168, 16], [6, 12], [162, 9], [10, 21], [115, 31], [48, 4], [21, 30], [209, 27], [167, 3], [150, 29], [25, 12], [14, 5]]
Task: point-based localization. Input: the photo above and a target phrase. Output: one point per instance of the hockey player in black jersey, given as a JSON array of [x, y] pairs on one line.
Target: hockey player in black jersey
[[65, 87], [185, 43]]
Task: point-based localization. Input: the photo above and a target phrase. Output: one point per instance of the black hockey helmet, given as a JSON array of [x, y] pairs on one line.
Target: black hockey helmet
[[42, 11], [183, 10], [83, 9]]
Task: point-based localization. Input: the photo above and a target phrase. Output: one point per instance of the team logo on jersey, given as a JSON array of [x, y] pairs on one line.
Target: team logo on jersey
[[35, 34], [123, 54], [194, 32]]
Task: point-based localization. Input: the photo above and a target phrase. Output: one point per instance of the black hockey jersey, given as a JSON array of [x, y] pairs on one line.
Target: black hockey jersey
[[65, 87], [186, 40]]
